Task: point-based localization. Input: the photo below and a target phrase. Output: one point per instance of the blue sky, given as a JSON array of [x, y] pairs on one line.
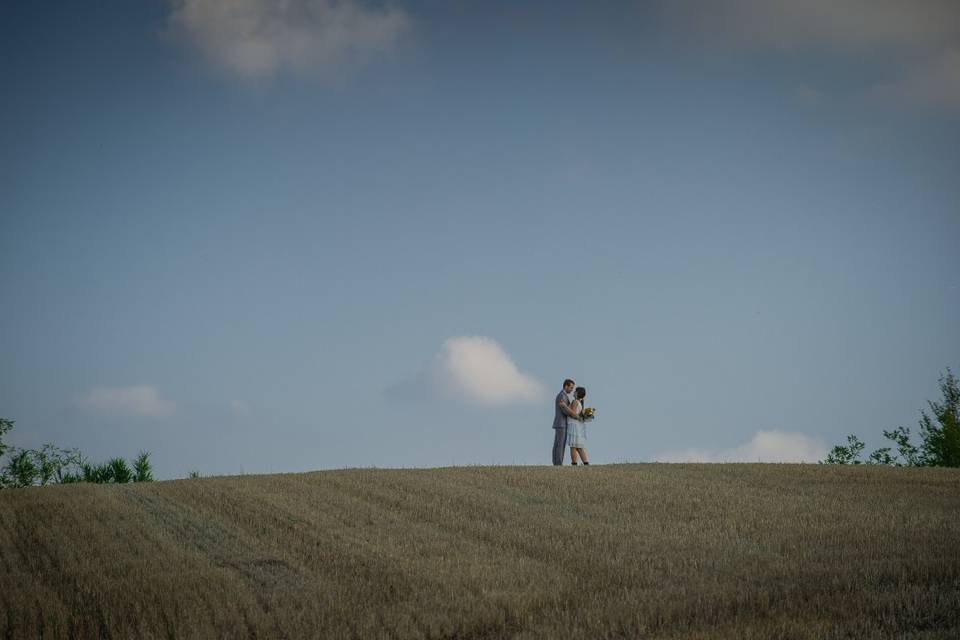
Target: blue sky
[[356, 234]]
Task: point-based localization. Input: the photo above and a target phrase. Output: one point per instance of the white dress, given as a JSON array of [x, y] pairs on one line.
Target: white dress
[[576, 432]]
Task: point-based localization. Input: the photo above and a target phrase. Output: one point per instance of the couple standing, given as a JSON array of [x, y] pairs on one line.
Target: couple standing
[[569, 428]]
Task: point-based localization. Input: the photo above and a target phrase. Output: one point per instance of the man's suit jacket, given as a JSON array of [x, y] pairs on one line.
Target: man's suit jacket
[[559, 417]]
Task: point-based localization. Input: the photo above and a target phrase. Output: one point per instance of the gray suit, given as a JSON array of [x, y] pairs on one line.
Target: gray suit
[[559, 428]]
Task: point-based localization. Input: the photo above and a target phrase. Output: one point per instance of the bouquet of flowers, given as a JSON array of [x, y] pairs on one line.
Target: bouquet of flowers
[[588, 414]]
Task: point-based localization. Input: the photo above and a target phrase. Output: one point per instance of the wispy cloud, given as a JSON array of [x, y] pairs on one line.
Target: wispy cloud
[[136, 401], [841, 25], [764, 446], [257, 39], [916, 40], [934, 84], [239, 409], [474, 370]]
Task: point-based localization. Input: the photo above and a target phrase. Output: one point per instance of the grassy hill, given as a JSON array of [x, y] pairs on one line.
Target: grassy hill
[[653, 550]]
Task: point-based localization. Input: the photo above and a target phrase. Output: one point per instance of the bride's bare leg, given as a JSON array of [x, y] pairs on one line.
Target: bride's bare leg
[[583, 454], [573, 455]]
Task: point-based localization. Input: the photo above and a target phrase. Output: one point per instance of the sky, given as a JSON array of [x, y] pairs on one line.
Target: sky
[[262, 237]]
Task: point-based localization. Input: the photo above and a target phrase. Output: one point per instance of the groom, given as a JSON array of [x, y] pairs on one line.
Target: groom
[[561, 411]]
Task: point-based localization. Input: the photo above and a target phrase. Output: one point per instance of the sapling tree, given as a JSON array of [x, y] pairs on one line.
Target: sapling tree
[[142, 471], [5, 426], [941, 430], [849, 454]]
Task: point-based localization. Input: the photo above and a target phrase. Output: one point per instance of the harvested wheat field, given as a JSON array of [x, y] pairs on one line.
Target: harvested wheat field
[[638, 550]]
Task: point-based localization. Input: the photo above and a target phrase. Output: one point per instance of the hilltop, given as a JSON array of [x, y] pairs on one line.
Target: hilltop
[[660, 550]]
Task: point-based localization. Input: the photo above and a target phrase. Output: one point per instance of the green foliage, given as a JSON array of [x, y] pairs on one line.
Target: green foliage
[[5, 426], [121, 471], [21, 471], [849, 454], [56, 464], [50, 464], [193, 474], [117, 471], [99, 473], [882, 456], [939, 433], [142, 471], [907, 454]]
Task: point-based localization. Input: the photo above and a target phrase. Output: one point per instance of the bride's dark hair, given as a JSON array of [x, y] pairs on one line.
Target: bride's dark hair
[[580, 393]]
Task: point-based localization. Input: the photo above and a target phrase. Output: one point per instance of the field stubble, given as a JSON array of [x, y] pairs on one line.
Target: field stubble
[[640, 550]]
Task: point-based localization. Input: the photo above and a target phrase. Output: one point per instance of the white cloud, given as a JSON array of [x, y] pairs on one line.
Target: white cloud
[[256, 39], [764, 446], [136, 401], [474, 370]]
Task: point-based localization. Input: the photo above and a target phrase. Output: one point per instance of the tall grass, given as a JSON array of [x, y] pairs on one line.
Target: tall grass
[[694, 551]]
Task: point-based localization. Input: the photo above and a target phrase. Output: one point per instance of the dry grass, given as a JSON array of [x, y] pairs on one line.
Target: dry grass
[[649, 550]]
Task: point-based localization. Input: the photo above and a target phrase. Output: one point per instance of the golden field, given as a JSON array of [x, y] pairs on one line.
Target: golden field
[[616, 551]]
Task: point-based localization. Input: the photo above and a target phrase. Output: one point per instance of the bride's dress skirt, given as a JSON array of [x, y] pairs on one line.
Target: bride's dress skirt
[[576, 433]]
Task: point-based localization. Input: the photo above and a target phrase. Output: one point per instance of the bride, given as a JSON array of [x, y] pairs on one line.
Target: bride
[[577, 428]]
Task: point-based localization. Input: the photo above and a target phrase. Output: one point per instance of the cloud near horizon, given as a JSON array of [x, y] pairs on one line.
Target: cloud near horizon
[[764, 446], [257, 39], [136, 401], [473, 370]]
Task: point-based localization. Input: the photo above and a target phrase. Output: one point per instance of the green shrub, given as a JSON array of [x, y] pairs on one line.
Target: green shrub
[[121, 471], [50, 464], [142, 471], [21, 471], [100, 473]]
